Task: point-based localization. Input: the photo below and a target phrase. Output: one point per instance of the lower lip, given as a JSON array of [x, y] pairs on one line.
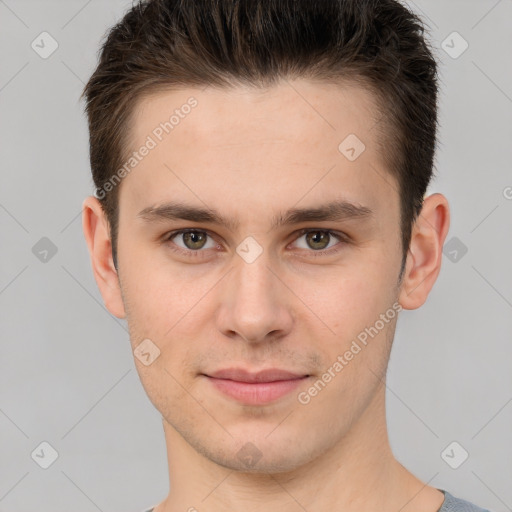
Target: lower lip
[[256, 393]]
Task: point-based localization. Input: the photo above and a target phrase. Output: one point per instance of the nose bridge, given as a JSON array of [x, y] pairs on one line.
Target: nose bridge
[[253, 306], [255, 277], [254, 283]]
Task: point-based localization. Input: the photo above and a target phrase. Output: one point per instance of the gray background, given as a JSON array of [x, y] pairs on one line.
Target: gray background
[[67, 375]]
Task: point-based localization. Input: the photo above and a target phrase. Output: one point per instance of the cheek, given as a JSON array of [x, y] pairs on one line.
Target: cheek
[[351, 299], [149, 288], [352, 306], [168, 305]]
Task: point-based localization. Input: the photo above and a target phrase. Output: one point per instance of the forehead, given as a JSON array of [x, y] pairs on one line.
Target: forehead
[[292, 110], [298, 139]]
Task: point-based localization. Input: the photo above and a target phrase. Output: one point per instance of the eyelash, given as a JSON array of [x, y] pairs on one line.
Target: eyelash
[[344, 239]]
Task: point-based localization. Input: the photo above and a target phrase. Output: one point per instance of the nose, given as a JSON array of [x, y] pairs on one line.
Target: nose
[[256, 306]]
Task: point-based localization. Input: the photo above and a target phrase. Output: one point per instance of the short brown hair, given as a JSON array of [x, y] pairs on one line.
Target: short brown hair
[[377, 44]]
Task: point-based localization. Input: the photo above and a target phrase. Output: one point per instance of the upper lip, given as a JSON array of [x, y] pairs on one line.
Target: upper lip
[[268, 375]]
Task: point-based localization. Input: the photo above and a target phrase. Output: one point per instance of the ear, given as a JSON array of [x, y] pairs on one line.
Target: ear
[[425, 253], [97, 235]]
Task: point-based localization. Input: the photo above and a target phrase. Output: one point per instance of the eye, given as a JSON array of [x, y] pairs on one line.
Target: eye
[[319, 241], [192, 240]]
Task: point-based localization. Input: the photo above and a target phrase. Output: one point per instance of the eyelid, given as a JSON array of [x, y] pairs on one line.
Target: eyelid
[[342, 237], [187, 252], [337, 234]]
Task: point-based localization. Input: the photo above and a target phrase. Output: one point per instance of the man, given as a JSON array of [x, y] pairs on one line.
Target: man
[[260, 221]]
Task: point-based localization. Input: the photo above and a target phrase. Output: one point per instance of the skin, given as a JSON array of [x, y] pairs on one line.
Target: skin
[[250, 154]]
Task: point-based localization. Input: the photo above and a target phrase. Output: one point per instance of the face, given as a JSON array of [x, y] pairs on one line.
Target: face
[[271, 278]]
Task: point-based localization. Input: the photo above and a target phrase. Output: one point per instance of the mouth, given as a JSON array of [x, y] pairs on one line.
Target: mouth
[[255, 388]]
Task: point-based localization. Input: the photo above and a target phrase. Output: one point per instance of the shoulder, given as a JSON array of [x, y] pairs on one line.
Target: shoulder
[[450, 504], [453, 504]]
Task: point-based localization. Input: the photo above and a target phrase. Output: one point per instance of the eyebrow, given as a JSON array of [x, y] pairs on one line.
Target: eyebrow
[[332, 211]]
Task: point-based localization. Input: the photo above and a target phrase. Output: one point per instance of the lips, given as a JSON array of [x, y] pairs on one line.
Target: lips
[[255, 388], [268, 375]]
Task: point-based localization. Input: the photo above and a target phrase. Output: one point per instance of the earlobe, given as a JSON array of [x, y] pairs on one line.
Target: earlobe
[[97, 235], [425, 251]]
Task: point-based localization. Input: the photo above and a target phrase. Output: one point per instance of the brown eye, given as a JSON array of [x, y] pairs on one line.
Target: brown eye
[[194, 239], [321, 241], [318, 240]]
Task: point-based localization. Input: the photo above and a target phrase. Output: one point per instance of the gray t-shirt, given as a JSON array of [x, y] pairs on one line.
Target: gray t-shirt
[[450, 504]]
